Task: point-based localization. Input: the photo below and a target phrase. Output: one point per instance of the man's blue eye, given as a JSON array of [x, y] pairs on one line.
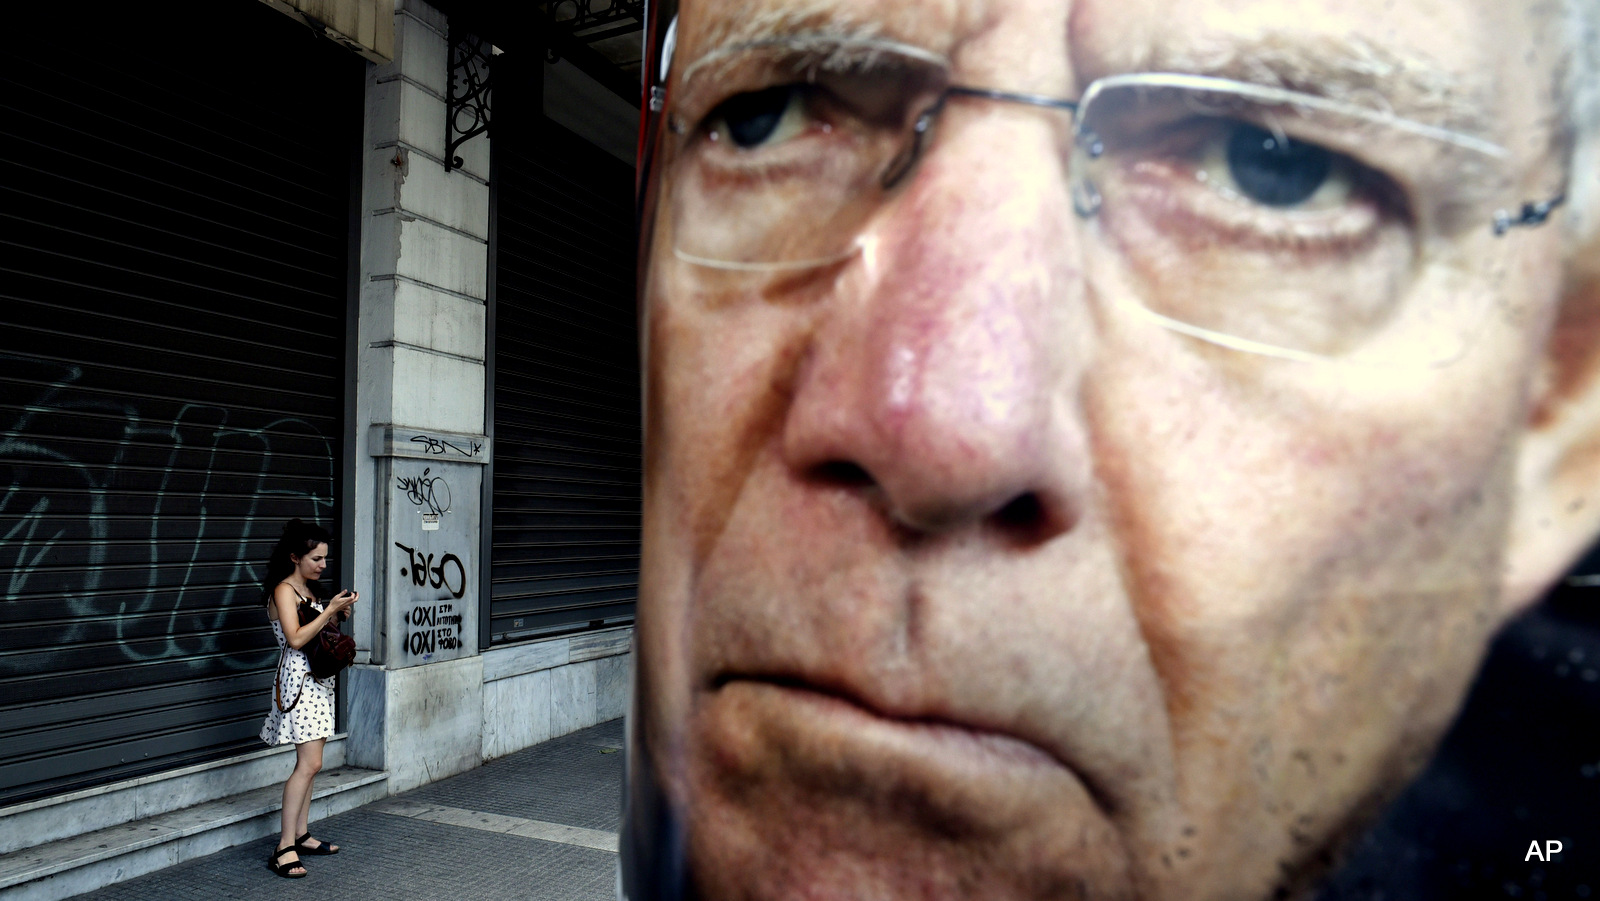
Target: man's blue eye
[[752, 118], [1274, 170]]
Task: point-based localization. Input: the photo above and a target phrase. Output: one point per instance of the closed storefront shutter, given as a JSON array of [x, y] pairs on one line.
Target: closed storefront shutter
[[566, 384], [174, 221]]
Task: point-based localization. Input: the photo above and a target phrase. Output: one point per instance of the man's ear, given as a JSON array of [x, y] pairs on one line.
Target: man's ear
[[1557, 514]]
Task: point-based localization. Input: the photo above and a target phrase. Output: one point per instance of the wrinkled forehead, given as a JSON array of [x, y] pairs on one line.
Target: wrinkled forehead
[[1481, 66], [709, 25]]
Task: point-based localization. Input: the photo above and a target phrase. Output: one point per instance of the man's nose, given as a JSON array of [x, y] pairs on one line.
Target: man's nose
[[943, 374]]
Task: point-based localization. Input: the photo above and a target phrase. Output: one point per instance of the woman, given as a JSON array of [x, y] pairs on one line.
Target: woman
[[302, 706]]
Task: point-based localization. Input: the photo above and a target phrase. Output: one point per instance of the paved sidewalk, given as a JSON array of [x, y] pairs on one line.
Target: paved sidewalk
[[541, 823]]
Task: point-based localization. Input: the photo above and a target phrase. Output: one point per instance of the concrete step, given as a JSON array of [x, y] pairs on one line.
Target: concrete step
[[50, 819], [83, 863]]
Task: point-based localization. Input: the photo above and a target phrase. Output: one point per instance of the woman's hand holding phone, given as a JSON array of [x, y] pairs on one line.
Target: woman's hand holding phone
[[341, 603]]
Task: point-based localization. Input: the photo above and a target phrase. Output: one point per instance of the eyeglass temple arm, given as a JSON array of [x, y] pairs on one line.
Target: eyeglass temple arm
[[1532, 214]]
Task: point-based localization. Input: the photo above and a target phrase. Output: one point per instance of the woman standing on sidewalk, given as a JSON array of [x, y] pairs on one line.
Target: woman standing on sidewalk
[[302, 706]]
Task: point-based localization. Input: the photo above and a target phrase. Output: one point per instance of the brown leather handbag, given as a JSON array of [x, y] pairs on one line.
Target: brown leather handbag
[[331, 650]]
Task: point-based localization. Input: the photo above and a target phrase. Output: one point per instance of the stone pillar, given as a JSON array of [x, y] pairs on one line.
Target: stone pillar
[[415, 696]]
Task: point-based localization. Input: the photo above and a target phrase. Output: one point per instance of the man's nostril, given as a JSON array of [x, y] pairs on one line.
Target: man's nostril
[[842, 473], [1025, 513]]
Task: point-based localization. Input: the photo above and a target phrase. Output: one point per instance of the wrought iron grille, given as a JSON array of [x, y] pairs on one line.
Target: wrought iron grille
[[467, 103], [585, 15]]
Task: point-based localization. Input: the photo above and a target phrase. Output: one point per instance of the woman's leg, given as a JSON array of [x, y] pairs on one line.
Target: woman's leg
[[297, 791], [302, 823]]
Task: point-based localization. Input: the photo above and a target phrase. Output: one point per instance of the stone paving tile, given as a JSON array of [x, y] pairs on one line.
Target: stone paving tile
[[598, 839], [388, 857], [575, 780]]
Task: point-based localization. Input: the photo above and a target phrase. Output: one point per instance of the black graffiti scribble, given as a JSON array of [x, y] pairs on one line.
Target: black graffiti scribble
[[431, 615], [434, 445], [426, 491], [434, 627], [424, 644], [420, 568]]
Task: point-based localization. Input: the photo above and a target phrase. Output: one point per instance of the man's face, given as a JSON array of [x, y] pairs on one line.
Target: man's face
[[960, 578]]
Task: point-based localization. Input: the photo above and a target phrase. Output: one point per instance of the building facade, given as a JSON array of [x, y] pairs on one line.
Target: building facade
[[263, 261]]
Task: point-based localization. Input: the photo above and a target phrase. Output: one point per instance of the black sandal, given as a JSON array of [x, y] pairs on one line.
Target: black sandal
[[283, 869], [323, 849]]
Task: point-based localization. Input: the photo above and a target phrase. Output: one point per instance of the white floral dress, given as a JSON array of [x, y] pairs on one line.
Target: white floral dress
[[311, 717]]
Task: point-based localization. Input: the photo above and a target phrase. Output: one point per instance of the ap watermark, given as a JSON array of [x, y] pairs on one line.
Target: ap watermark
[[1551, 848]]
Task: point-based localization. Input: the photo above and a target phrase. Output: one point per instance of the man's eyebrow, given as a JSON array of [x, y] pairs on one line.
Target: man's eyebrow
[[1348, 69], [820, 21]]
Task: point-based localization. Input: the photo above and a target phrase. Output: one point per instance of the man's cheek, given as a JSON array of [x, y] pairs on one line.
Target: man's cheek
[[1239, 518], [1286, 470]]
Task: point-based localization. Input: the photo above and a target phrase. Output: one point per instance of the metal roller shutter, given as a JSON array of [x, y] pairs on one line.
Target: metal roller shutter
[[174, 218], [566, 386]]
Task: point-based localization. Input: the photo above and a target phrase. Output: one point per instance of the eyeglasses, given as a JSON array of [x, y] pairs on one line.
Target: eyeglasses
[[1263, 219]]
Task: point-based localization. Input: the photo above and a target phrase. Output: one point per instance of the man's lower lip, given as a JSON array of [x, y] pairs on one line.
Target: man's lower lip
[[812, 783], [930, 738]]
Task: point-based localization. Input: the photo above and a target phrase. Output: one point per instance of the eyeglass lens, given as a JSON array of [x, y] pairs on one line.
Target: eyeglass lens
[[1219, 208]]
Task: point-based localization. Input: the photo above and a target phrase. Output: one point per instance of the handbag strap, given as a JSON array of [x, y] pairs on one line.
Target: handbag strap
[[277, 685], [302, 605]]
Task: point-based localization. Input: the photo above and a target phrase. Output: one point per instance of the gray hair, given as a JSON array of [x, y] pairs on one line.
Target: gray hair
[[1582, 95]]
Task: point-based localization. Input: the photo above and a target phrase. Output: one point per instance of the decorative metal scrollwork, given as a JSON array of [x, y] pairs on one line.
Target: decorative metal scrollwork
[[587, 14], [466, 107]]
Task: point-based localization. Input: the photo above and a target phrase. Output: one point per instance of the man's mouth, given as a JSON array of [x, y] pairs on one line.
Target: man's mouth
[[826, 754], [927, 739]]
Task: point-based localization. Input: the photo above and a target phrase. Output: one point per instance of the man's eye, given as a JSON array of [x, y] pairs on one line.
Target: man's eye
[[1277, 171], [760, 117]]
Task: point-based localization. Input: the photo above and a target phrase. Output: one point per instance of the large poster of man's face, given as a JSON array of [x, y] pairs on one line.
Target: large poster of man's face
[[1090, 445]]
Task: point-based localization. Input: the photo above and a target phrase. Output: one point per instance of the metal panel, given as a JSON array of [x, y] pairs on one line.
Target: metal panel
[[566, 384], [173, 243]]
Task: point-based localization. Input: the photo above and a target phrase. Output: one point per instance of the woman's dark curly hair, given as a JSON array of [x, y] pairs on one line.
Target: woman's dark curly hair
[[298, 539]]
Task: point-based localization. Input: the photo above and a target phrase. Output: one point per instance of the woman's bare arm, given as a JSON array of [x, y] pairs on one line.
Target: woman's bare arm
[[287, 603]]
